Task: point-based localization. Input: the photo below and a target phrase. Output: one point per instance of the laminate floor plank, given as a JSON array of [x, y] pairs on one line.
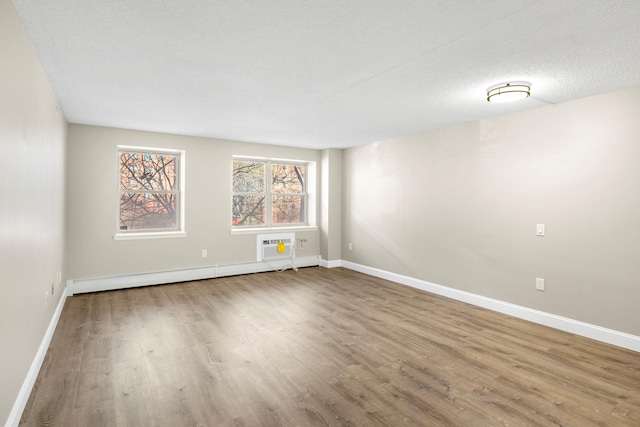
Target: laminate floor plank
[[55, 401], [319, 347], [135, 407], [100, 414], [313, 395]]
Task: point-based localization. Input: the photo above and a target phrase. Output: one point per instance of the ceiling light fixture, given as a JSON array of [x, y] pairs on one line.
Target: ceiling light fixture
[[508, 92]]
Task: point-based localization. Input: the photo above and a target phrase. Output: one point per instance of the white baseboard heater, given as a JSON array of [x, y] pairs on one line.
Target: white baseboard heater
[[273, 247]]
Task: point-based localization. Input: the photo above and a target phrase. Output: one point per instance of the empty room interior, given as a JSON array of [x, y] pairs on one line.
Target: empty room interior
[[355, 213]]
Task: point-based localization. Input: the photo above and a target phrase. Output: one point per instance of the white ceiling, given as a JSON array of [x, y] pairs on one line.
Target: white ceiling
[[323, 73]]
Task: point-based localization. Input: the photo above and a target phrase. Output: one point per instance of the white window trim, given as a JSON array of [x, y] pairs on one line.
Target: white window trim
[[149, 235], [152, 234], [310, 195]]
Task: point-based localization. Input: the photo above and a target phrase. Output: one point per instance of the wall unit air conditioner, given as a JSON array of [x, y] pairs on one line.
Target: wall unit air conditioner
[[273, 247]]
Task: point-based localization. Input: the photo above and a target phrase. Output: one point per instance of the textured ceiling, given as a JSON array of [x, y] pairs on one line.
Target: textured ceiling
[[323, 73]]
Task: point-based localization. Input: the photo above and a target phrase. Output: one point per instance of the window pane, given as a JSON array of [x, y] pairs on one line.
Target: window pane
[[147, 211], [248, 177], [288, 209], [287, 178], [148, 172], [248, 210]]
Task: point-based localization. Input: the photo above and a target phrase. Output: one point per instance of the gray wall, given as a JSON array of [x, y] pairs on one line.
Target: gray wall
[[459, 207], [92, 205], [32, 145]]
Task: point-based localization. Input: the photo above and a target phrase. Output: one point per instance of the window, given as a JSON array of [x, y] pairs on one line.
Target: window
[[149, 190], [269, 193]]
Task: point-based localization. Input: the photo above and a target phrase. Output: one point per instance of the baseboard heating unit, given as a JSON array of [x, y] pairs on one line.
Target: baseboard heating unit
[[273, 247]]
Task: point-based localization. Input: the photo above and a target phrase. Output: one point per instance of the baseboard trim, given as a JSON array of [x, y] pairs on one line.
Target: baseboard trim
[[609, 336], [330, 264], [34, 370], [79, 286]]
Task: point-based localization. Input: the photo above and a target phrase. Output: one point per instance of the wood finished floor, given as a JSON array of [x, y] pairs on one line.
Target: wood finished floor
[[319, 347]]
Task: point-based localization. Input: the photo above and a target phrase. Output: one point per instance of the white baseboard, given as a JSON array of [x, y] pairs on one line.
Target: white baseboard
[[261, 267], [34, 370], [79, 286], [330, 264], [609, 336]]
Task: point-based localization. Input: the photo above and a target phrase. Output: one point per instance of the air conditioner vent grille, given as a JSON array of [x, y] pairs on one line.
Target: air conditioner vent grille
[[275, 246]]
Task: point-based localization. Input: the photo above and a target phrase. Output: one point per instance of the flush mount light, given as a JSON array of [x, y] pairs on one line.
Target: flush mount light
[[508, 92]]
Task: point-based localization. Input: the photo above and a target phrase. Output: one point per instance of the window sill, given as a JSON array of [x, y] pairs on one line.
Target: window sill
[[153, 235], [258, 230]]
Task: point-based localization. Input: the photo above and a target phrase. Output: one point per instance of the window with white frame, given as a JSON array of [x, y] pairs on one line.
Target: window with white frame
[[268, 193], [150, 190]]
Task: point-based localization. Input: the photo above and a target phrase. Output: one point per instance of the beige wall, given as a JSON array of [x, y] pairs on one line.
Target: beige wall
[[459, 207], [92, 205], [32, 145]]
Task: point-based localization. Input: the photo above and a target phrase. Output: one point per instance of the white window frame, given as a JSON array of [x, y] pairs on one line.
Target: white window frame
[[308, 195], [179, 230]]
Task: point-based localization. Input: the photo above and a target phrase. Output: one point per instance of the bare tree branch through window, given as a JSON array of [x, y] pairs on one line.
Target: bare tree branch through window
[[255, 203], [149, 191]]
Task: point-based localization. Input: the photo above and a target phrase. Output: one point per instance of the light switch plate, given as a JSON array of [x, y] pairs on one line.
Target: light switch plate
[[540, 230], [539, 284]]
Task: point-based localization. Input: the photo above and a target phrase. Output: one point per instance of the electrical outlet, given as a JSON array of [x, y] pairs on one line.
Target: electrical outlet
[[204, 253], [539, 284], [302, 242]]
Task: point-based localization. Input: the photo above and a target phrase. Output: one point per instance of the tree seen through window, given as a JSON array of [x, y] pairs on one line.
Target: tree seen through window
[[149, 191], [283, 201]]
